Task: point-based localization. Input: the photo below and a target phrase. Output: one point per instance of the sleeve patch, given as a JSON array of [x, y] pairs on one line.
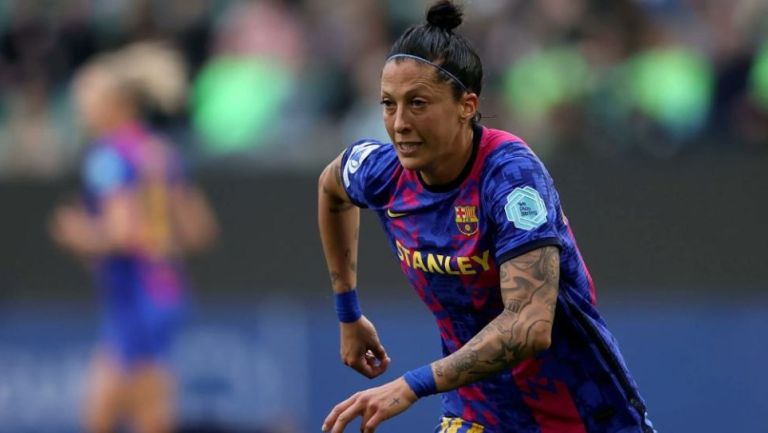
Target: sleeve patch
[[356, 157], [525, 208]]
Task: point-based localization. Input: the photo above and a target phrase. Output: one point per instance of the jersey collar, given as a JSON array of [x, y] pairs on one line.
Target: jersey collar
[[445, 187]]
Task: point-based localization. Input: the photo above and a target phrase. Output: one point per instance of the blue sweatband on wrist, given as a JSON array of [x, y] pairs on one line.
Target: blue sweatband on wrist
[[347, 308], [421, 381]]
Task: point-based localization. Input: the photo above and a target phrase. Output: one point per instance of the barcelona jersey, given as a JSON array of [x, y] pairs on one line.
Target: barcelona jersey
[[141, 289], [450, 241]]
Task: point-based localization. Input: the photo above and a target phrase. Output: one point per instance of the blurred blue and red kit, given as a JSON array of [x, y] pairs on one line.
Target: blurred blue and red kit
[[142, 290]]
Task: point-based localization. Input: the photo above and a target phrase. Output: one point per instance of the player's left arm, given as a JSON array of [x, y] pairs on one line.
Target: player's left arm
[[529, 285], [193, 218]]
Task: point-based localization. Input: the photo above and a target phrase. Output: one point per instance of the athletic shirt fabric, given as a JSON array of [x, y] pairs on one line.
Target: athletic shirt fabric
[[450, 241]]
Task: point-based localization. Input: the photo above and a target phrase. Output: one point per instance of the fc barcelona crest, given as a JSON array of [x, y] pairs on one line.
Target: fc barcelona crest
[[466, 219]]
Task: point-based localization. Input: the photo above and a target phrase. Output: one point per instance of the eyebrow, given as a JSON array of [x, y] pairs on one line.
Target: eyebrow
[[417, 87]]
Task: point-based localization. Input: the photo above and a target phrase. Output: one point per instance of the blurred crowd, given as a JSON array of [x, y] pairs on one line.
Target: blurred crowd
[[278, 83]]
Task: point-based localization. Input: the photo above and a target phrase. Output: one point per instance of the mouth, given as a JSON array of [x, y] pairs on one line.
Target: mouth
[[408, 147]]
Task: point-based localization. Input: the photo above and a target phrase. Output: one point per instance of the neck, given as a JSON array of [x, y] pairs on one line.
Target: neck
[[450, 167]]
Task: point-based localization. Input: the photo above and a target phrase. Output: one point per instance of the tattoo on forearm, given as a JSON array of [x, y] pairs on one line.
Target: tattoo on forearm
[[514, 306], [529, 286], [465, 361], [350, 260], [438, 369], [335, 278], [395, 401], [332, 200], [351, 264]]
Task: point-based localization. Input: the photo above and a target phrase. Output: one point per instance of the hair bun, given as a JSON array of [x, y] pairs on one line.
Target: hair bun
[[445, 15]]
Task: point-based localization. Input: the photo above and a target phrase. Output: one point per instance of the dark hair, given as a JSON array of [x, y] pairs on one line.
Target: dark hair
[[435, 41]]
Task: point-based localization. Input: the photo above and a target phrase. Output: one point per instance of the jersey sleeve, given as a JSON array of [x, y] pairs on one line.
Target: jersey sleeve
[[105, 171], [524, 205], [367, 169]]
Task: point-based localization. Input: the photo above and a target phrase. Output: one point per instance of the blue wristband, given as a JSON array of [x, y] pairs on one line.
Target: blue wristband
[[421, 381], [347, 308]]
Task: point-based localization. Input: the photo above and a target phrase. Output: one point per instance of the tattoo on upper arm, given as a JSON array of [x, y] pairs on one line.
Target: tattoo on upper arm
[[529, 285], [340, 207], [337, 172], [337, 205]]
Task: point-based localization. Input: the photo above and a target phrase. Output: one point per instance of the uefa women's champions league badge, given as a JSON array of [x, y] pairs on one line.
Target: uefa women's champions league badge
[[466, 219], [525, 208], [357, 155]]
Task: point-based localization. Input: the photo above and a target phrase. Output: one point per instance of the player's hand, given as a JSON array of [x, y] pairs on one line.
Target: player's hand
[[67, 225], [374, 405], [361, 348]]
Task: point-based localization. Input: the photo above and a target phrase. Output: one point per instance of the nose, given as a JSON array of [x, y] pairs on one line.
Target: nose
[[402, 123]]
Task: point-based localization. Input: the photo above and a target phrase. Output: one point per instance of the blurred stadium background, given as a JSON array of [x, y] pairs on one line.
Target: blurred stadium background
[[652, 116]]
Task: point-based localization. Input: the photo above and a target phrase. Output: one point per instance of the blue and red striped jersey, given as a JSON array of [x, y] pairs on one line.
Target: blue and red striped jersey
[[450, 240]]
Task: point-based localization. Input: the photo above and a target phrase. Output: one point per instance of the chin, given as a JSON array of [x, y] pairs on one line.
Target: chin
[[411, 163]]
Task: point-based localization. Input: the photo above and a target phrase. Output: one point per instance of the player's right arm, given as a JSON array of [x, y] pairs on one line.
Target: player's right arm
[[85, 235], [108, 177], [339, 223]]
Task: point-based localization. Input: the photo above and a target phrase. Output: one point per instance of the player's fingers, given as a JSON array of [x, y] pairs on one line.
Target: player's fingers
[[363, 367], [375, 366], [370, 411], [330, 420], [384, 364], [365, 418], [366, 365], [351, 361], [348, 415], [384, 359], [380, 353], [372, 423]]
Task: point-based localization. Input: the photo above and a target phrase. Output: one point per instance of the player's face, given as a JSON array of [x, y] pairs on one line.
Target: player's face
[[95, 98], [421, 115]]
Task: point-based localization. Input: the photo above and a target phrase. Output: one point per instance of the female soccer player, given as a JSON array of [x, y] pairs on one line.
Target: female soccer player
[[139, 214], [475, 221]]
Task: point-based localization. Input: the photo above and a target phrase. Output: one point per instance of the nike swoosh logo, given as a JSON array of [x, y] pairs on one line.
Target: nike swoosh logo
[[395, 214]]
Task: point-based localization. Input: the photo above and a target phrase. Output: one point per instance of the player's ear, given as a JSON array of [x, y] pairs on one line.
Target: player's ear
[[468, 105]]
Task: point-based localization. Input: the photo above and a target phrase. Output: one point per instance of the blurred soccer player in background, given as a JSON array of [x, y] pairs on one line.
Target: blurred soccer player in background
[[138, 216], [476, 224]]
